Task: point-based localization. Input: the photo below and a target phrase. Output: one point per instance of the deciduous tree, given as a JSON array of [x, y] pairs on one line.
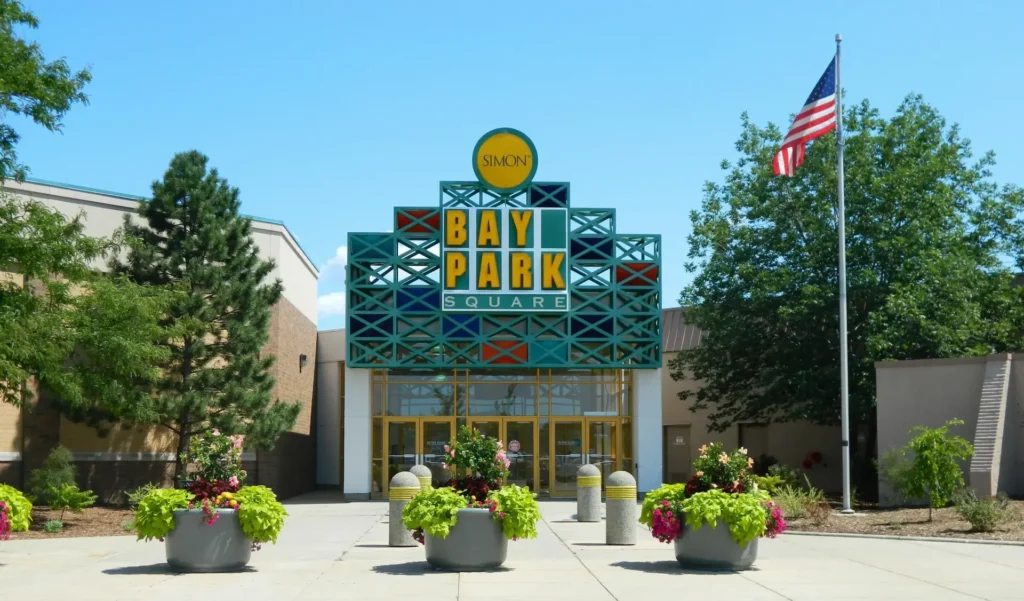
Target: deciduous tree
[[932, 247]]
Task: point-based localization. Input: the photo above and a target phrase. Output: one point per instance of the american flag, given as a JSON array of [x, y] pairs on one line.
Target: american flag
[[817, 118]]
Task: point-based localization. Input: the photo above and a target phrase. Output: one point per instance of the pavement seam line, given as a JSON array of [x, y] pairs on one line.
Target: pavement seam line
[[952, 590], [576, 555], [985, 559]]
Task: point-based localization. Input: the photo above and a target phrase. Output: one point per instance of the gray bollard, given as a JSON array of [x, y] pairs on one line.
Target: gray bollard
[[588, 494], [620, 522], [404, 486], [424, 474]]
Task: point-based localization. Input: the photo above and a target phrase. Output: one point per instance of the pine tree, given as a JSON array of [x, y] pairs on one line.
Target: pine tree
[[215, 378]]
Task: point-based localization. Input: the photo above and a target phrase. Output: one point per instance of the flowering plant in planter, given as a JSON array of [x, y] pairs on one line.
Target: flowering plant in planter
[[722, 488], [5, 523], [480, 466], [18, 510]]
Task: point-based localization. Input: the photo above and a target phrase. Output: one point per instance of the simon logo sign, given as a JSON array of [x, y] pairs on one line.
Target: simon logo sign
[[505, 159]]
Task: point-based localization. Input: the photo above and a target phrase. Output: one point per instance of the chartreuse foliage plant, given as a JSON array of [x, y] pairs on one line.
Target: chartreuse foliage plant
[[69, 498], [744, 513], [155, 516], [672, 493], [19, 508], [434, 510], [260, 514], [517, 511]]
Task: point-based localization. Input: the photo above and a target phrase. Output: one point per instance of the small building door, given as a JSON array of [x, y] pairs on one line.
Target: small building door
[[677, 454]]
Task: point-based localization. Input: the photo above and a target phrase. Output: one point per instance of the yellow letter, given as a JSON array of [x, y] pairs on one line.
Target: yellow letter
[[489, 276], [522, 278], [551, 271], [521, 219], [455, 227], [488, 234], [454, 266]]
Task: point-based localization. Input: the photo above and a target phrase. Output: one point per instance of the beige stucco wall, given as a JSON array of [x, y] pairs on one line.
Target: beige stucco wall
[[80, 438], [10, 428], [925, 393], [788, 442]]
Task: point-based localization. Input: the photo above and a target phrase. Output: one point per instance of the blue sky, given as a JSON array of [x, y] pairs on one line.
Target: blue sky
[[328, 115]]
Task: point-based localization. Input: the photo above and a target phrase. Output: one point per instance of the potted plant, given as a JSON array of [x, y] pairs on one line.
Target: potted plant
[[15, 511], [216, 524], [466, 525], [715, 519]]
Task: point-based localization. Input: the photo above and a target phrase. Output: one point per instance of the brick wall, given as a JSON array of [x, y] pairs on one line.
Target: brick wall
[[290, 468]]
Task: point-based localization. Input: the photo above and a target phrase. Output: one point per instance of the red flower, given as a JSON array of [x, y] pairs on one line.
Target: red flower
[[816, 457], [807, 463]]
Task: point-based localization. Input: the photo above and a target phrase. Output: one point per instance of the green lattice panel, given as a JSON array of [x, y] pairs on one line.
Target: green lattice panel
[[394, 317]]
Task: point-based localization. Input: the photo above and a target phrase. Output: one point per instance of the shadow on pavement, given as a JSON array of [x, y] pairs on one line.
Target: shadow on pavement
[[416, 568], [156, 568], [376, 547], [670, 567]]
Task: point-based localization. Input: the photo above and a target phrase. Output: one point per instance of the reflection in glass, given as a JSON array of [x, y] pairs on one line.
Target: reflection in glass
[[568, 456], [602, 438], [520, 450], [435, 436], [486, 428], [583, 398], [402, 451], [503, 399], [377, 437], [421, 399], [545, 456]]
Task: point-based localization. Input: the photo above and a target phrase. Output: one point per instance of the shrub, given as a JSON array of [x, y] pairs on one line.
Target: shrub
[[128, 526], [517, 510], [714, 469], [475, 454], [19, 508], [434, 511], [216, 457], [260, 514], [69, 498], [57, 471], [136, 496], [894, 469], [818, 510], [155, 516], [786, 474], [792, 501], [984, 514], [763, 463], [53, 526], [770, 484], [934, 473]]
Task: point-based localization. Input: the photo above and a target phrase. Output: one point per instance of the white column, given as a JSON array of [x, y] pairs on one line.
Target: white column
[[647, 404], [328, 424], [357, 433]]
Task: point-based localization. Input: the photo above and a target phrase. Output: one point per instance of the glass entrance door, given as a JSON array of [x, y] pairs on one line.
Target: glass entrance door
[[602, 447], [576, 441], [434, 435], [567, 456], [414, 441], [520, 439]]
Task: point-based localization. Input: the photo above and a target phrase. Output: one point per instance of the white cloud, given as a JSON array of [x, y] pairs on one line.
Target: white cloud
[[335, 266], [331, 304]]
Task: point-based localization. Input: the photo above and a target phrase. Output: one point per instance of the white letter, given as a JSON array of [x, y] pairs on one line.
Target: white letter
[[449, 302], [559, 302], [493, 301], [515, 303], [538, 302], [471, 302]]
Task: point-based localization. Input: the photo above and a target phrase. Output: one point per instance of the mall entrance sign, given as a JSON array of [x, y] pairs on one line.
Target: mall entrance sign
[[504, 272]]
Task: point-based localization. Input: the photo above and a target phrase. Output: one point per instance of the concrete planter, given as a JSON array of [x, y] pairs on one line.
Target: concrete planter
[[195, 546], [713, 548], [475, 543]]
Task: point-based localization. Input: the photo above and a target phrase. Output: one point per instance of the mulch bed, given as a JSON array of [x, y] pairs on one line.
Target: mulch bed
[[914, 522], [94, 521]]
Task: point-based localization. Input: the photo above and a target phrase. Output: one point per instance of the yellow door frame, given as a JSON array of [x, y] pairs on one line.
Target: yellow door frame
[[502, 422], [584, 447]]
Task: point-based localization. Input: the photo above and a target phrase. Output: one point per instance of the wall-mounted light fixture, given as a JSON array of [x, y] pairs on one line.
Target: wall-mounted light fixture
[[303, 360]]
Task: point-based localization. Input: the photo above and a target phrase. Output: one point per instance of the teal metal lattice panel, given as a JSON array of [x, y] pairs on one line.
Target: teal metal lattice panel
[[394, 287]]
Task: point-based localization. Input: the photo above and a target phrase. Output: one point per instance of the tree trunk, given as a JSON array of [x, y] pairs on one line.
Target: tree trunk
[[184, 440]]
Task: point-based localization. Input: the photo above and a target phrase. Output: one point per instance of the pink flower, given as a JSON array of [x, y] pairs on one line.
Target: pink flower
[[233, 481], [444, 465], [452, 453], [447, 448], [499, 444], [216, 432]]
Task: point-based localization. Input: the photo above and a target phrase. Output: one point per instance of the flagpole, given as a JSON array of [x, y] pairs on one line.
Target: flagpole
[[844, 368]]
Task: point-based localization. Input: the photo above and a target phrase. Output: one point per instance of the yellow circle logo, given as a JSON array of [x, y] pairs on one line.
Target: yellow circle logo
[[505, 159]]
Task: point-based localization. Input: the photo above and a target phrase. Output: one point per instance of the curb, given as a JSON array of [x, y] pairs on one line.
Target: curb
[[924, 539]]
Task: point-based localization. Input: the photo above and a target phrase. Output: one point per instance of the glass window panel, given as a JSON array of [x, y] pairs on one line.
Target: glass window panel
[[420, 375], [420, 399], [627, 438], [503, 375], [378, 398], [377, 468], [583, 398], [503, 399], [627, 398], [583, 375], [378, 439]]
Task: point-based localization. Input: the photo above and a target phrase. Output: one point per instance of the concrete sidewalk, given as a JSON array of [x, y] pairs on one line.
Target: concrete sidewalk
[[332, 550]]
